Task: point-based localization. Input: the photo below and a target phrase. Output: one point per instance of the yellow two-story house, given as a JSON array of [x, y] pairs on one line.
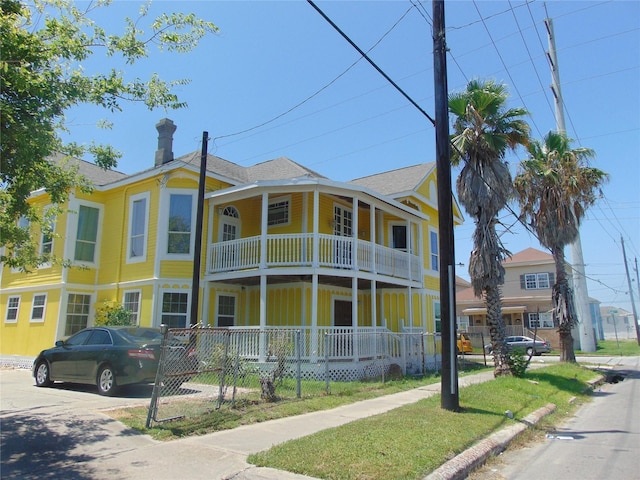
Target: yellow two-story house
[[282, 247]]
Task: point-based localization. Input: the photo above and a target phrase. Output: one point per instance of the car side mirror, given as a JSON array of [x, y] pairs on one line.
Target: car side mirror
[[59, 343]]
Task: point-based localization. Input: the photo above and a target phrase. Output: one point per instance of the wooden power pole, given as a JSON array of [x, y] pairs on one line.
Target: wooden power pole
[[450, 399]]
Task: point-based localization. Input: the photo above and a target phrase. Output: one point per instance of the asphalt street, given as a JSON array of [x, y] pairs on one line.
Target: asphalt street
[[601, 441]]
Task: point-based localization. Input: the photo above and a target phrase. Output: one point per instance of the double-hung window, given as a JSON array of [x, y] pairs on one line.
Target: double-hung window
[[438, 317], [38, 306], [535, 281], [226, 311], [138, 213], [87, 234], [175, 306], [13, 305], [433, 248], [179, 228], [78, 307], [131, 304]]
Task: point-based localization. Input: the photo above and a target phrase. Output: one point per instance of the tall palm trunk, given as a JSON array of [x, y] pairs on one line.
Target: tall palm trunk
[[497, 332], [487, 276], [564, 314]]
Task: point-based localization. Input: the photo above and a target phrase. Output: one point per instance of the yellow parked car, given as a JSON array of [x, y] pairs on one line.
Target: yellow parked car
[[464, 344]]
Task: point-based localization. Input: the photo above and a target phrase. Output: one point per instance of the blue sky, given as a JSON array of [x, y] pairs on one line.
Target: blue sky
[[278, 80]]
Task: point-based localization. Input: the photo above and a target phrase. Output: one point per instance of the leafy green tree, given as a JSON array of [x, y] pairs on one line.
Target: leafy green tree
[[483, 130], [555, 186], [43, 44]]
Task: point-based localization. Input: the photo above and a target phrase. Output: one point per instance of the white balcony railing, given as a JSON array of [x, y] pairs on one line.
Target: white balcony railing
[[298, 250]]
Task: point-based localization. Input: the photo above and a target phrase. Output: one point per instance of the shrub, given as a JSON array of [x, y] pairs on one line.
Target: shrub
[[518, 362], [112, 314]]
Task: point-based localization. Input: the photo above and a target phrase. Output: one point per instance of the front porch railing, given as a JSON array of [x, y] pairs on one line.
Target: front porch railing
[[298, 250]]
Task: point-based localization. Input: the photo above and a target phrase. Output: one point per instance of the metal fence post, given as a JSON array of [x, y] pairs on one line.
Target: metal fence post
[[384, 352], [223, 370], [153, 405], [299, 366]]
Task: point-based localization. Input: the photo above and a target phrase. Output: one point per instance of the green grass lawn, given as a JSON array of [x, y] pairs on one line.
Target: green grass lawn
[[409, 442], [246, 413], [625, 348]]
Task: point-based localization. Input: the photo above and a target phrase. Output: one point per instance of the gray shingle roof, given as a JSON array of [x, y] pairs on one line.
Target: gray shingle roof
[[396, 181], [95, 174], [279, 169]]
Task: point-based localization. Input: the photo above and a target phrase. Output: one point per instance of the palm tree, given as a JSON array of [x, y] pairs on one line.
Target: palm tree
[[483, 130], [554, 187]]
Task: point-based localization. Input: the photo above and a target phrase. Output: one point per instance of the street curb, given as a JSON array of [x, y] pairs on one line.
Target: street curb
[[461, 465]]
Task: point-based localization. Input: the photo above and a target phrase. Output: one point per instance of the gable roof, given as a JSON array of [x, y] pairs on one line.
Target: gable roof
[[529, 255], [279, 169], [397, 181]]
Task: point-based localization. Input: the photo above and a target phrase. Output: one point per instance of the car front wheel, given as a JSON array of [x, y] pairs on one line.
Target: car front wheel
[[42, 374], [530, 351], [106, 381]]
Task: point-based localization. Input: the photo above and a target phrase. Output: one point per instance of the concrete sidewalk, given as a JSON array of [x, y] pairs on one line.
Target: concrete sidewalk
[[222, 455]]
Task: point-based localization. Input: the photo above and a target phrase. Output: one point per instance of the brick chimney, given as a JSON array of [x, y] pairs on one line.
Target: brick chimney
[[164, 153]]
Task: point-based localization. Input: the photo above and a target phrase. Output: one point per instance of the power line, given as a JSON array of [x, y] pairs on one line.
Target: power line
[[373, 64]]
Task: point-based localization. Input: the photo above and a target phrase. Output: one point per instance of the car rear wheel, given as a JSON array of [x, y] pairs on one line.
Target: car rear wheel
[[106, 381], [42, 374]]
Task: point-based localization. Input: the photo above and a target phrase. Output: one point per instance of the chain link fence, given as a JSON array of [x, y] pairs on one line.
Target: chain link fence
[[201, 368]]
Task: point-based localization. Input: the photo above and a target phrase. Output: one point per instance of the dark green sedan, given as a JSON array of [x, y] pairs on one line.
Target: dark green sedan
[[104, 356]]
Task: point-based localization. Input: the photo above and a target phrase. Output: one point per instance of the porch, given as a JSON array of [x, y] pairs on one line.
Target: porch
[[312, 250]]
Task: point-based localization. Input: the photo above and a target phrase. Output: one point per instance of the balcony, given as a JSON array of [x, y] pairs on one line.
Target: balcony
[[309, 250]]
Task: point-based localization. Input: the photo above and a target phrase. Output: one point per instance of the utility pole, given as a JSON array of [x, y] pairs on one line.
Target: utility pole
[[450, 399], [197, 254], [633, 304], [581, 295]]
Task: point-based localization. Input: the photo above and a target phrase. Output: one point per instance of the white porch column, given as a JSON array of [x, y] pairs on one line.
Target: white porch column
[[354, 235], [263, 318], [374, 236], [316, 232], [354, 317], [264, 215], [410, 263], [315, 345]]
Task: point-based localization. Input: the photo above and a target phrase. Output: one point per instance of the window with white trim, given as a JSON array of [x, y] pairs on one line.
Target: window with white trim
[[278, 212], [24, 224], [78, 307], [226, 315], [46, 239], [399, 237], [180, 223], [536, 281], [434, 250], [438, 317], [138, 215], [539, 320], [87, 234], [13, 306], [175, 307], [131, 303], [38, 307]]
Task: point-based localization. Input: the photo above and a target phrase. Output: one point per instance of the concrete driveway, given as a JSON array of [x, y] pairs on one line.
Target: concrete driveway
[[57, 432]]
